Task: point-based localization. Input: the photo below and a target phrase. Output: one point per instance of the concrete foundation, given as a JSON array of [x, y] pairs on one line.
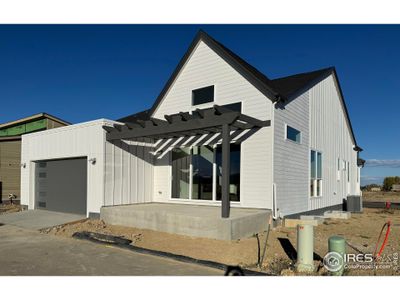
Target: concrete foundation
[[191, 220]]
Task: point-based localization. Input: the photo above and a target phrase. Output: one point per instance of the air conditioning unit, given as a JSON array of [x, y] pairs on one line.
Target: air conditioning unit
[[354, 204]]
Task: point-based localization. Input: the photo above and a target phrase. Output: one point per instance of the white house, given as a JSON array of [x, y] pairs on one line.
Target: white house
[[292, 147]]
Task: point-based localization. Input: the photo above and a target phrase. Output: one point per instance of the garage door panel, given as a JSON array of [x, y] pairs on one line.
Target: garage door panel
[[61, 185]]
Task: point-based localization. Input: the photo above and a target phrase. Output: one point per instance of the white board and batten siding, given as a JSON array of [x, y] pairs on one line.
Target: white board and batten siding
[[205, 68], [80, 140], [291, 163], [330, 134], [128, 172], [117, 177]]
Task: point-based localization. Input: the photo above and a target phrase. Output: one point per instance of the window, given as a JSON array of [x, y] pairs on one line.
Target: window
[[234, 183], [202, 177], [180, 172], [338, 169], [234, 106], [203, 95], [358, 174], [315, 174], [293, 134], [196, 173], [348, 172]]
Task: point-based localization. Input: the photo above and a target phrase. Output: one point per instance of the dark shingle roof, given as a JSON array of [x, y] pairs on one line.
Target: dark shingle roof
[[291, 85], [142, 115]]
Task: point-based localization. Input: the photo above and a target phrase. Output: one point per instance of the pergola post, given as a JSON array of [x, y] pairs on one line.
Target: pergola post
[[226, 161]]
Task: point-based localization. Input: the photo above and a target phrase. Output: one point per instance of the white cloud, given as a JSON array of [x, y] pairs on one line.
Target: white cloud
[[391, 163]]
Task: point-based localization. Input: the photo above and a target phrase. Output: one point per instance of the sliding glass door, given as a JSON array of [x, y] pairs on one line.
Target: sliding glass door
[[180, 172], [234, 185], [196, 173], [202, 177]]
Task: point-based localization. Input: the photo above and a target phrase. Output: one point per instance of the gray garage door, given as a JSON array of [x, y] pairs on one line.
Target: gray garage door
[[61, 185]]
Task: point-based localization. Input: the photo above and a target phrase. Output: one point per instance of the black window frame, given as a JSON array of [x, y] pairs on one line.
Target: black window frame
[[203, 90], [287, 127], [235, 106]]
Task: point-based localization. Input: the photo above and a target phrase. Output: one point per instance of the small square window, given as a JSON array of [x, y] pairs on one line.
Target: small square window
[[293, 134], [234, 106], [203, 95]]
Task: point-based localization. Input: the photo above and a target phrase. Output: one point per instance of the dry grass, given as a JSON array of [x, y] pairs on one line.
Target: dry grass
[[9, 208], [381, 196]]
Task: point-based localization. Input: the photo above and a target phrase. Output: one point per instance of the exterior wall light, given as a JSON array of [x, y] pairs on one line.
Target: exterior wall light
[[23, 165], [92, 161]]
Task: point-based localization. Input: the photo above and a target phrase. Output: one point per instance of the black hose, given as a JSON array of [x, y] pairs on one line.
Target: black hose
[[258, 251], [91, 236]]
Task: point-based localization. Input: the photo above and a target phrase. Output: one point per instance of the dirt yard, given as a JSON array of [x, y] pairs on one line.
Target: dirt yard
[[9, 208], [381, 196], [361, 231]]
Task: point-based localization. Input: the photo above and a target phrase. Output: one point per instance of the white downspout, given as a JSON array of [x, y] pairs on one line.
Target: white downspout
[[274, 206]]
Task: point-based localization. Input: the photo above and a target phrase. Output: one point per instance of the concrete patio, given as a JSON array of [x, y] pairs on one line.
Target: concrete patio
[[192, 220]]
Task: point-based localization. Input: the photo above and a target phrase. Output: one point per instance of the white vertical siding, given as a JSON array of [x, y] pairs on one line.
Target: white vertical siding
[[205, 68], [291, 170], [330, 134], [80, 140], [122, 174], [128, 172]]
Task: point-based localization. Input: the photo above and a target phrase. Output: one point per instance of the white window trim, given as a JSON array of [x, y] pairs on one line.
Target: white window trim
[[316, 179], [289, 140]]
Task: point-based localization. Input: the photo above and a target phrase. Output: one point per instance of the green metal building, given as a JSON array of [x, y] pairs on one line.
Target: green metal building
[[10, 150]]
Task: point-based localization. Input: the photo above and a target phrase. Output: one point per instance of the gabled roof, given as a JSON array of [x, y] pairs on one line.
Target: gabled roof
[[255, 77], [32, 118], [142, 115], [291, 85], [277, 89]]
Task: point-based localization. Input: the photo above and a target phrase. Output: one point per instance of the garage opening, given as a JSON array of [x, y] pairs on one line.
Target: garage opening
[[61, 185]]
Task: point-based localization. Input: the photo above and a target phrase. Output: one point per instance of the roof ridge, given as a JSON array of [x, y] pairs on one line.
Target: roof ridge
[[331, 68]]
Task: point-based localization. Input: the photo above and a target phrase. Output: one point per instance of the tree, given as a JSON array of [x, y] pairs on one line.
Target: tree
[[389, 181]]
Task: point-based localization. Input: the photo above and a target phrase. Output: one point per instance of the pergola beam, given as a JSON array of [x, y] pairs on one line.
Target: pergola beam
[[176, 127]]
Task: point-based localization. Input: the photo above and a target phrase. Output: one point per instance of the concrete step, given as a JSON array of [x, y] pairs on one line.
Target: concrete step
[[337, 215], [295, 222]]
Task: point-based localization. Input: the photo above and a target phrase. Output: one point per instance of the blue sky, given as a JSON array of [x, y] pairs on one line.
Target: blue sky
[[81, 72]]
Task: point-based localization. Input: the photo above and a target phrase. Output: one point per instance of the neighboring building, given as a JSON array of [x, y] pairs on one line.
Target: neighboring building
[[376, 189], [396, 188], [10, 150], [292, 147]]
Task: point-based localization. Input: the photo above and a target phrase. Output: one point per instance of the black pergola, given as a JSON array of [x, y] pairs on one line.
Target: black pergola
[[201, 121]]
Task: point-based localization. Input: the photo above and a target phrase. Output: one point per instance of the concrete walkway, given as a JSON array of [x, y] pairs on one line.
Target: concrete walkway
[[28, 252], [38, 219]]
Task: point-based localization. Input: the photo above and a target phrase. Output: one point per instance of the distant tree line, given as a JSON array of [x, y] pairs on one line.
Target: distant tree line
[[389, 181], [368, 187]]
